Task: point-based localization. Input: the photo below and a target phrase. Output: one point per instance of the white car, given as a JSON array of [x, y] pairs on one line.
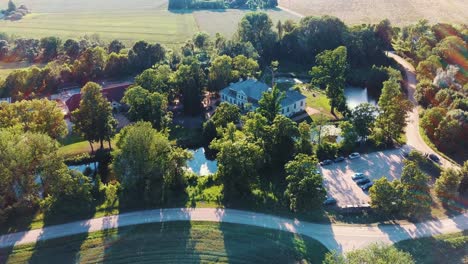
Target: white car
[[354, 155]]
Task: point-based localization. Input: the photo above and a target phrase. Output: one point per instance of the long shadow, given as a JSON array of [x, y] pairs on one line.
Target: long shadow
[[58, 250], [265, 245], [158, 242]]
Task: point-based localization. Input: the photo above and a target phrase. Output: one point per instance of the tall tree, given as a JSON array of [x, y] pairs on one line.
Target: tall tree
[[115, 46], [330, 72], [147, 163], [270, 103], [157, 79], [386, 196], [416, 193], [91, 64], [190, 79], [226, 113], [393, 111], [143, 55], [94, 119], [50, 48], [147, 106], [220, 73], [305, 189], [363, 117], [446, 186], [304, 144]]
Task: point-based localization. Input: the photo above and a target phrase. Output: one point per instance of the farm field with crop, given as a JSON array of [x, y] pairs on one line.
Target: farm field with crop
[[399, 12], [128, 21]]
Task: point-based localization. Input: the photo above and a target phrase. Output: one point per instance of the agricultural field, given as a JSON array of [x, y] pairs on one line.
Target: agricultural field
[[399, 12], [7, 68], [128, 21], [177, 242]]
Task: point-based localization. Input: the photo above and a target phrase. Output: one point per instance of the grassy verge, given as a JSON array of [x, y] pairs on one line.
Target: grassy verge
[[450, 248], [176, 242]]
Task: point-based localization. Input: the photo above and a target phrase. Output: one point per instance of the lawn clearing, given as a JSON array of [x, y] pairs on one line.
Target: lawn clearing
[[449, 248], [176, 242], [399, 12]]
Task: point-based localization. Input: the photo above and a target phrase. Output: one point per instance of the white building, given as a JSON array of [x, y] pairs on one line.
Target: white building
[[246, 95]]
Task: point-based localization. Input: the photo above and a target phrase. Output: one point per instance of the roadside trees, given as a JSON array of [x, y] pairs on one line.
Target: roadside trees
[[386, 196], [416, 193], [447, 184], [305, 190]]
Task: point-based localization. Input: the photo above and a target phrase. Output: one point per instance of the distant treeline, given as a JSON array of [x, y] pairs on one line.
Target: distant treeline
[[221, 4]]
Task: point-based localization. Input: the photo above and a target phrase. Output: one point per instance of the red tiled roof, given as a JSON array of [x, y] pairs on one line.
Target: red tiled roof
[[114, 92]]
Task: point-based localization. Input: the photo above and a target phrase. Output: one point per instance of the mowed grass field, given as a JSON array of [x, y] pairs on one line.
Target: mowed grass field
[[125, 20], [399, 12], [175, 242]]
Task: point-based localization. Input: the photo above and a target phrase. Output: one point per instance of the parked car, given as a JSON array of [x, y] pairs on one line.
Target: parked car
[[326, 162], [330, 201], [358, 176], [354, 155], [434, 158], [339, 159], [366, 186], [362, 181], [317, 171], [405, 153]]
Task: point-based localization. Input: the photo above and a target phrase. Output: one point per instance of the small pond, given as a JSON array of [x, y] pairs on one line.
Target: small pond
[[357, 95], [82, 167], [200, 164]]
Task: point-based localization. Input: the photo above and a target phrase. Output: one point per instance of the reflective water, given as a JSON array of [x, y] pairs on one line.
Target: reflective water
[[357, 95], [200, 164]]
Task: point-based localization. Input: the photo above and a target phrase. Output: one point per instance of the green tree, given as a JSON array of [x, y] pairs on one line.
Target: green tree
[[416, 192], [117, 65], [283, 133], [38, 116], [464, 181], [244, 67], [220, 73], [11, 7], [50, 48], [330, 73], [238, 163], [375, 253], [350, 136], [71, 48], [147, 163], [115, 47], [190, 79], [257, 28], [93, 120], [386, 196], [394, 108], [91, 64], [147, 106], [143, 55], [362, 118], [305, 189], [157, 79], [303, 144], [226, 113], [447, 185], [270, 103], [431, 120], [201, 40]]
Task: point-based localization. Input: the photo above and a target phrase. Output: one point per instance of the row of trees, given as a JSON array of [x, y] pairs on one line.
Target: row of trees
[[221, 4]]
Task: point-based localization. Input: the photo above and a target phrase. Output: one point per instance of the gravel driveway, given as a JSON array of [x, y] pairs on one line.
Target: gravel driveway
[[337, 176]]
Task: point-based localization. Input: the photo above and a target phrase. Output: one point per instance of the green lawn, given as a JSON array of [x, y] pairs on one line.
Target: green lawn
[[176, 242], [450, 248]]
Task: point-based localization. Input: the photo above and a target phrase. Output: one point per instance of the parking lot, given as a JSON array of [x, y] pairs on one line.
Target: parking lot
[[337, 176]]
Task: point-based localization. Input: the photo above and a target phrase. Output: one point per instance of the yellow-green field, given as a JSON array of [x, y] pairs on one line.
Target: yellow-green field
[[128, 21], [399, 12]]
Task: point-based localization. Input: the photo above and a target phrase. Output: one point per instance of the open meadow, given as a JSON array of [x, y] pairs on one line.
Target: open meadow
[[399, 12], [128, 21]]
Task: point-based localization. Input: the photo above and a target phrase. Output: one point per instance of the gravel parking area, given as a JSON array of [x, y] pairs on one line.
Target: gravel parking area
[[337, 176]]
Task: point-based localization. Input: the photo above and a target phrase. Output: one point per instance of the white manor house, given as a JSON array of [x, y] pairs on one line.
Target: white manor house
[[246, 95]]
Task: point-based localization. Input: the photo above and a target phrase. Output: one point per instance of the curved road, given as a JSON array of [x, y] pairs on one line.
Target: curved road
[[335, 237], [413, 137]]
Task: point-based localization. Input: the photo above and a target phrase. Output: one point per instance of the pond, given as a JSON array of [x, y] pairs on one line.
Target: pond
[[82, 167], [200, 164], [357, 95]]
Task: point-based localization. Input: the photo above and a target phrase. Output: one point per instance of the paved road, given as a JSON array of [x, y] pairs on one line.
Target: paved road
[[339, 237], [414, 139]]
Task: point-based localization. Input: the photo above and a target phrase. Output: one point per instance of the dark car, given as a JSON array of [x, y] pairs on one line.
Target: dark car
[[434, 158], [362, 181], [366, 186], [326, 162], [358, 176], [329, 201], [339, 159]]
